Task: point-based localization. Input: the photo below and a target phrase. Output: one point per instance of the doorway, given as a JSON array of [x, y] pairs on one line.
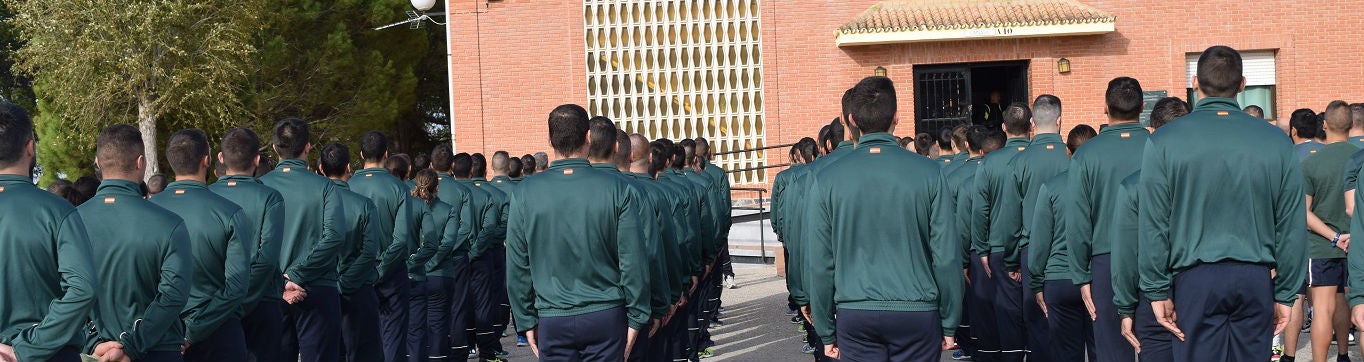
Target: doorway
[[950, 94]]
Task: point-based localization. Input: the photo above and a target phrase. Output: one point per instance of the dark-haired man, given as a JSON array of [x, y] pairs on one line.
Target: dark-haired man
[[421, 162], [1068, 322], [1148, 338], [514, 171], [572, 310], [47, 254], [1045, 157], [1190, 243], [144, 258], [667, 158], [314, 236], [260, 313], [504, 168], [489, 268], [945, 151], [1357, 124], [399, 225], [671, 208], [359, 258], [486, 209], [994, 224], [1329, 234], [1096, 170], [399, 166], [1303, 128], [219, 234], [792, 207], [527, 165], [879, 319], [979, 339]]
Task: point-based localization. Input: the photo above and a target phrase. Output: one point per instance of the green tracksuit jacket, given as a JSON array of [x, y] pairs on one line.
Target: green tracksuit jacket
[[363, 232], [145, 265], [1044, 158], [992, 226], [1126, 246], [219, 232], [313, 230], [1184, 173], [858, 260], [562, 263], [394, 216], [44, 252], [1096, 169], [1048, 250], [264, 209]]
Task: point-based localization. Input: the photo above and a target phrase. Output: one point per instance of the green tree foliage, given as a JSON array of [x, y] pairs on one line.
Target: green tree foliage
[[138, 61], [321, 61], [61, 149]]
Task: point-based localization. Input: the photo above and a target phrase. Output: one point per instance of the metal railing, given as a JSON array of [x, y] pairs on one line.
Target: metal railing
[[762, 211], [755, 149]]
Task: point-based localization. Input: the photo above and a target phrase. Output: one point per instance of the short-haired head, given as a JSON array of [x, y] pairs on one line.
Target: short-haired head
[[86, 186], [527, 165], [602, 142], [1046, 113], [479, 167], [266, 165], [541, 161], [462, 165], [975, 137], [1338, 117], [156, 184], [514, 167], [1168, 109], [568, 126], [1255, 111], [291, 138], [1124, 99], [66, 190], [499, 162], [421, 162], [16, 134], [399, 166], [906, 143], [1078, 136], [807, 149], [186, 152], [679, 157], [334, 160], [425, 184], [240, 150], [440, 157], [993, 140], [944, 139], [1017, 119], [1357, 116], [659, 156], [837, 134], [1304, 123], [689, 150], [847, 107], [639, 147], [874, 105], [1219, 72], [959, 137], [623, 149], [923, 144], [119, 150], [373, 146], [823, 138]]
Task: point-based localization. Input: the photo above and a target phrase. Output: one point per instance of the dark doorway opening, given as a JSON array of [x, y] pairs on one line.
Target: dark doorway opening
[[952, 94]]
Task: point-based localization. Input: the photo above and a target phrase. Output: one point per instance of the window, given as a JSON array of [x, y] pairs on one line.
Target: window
[[681, 69], [1258, 68]]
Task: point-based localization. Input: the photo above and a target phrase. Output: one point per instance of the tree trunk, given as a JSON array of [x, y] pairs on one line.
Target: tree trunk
[[146, 122]]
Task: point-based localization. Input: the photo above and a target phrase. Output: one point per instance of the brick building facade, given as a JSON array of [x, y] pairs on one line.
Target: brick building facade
[[514, 60]]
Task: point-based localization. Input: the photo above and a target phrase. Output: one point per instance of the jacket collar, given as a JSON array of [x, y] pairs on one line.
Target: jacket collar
[[1045, 138], [119, 187]]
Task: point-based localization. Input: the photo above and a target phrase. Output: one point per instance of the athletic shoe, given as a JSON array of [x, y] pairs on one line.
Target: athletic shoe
[[473, 353], [958, 355], [522, 341], [796, 320], [806, 349], [502, 354], [790, 313], [1352, 339], [705, 353], [729, 282], [1342, 358]]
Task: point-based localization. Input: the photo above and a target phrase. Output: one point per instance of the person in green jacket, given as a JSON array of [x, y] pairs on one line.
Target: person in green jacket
[[1151, 341], [503, 168], [978, 304], [893, 277], [356, 269], [686, 218], [670, 211], [143, 258], [793, 228], [959, 140], [398, 224], [1190, 243], [1096, 170], [696, 246], [488, 276], [428, 303], [261, 315], [1045, 157], [487, 216], [513, 173], [46, 254], [314, 239], [219, 234], [571, 309], [995, 220], [718, 177]]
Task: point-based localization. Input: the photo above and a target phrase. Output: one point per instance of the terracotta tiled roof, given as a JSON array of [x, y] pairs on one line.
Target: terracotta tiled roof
[[925, 15]]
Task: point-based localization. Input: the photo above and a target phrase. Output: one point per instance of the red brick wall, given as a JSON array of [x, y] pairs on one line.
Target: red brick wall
[[523, 57]]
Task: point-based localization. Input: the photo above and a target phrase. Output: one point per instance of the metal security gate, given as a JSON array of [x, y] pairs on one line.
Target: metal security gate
[[942, 98]]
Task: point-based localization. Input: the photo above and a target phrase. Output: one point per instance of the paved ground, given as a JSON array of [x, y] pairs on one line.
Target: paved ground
[[757, 330]]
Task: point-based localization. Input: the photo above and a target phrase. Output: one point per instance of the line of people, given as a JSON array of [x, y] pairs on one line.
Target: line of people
[[1025, 246], [300, 262]]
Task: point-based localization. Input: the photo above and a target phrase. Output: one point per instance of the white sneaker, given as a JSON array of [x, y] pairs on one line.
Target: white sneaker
[[729, 282]]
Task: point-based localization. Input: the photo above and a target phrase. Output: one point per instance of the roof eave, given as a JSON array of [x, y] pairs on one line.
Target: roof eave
[[874, 37]]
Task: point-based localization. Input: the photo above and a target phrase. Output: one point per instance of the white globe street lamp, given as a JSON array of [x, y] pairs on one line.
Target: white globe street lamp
[[423, 5]]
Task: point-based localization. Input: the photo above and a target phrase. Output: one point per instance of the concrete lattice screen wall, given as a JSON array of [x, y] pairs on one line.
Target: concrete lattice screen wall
[[681, 69]]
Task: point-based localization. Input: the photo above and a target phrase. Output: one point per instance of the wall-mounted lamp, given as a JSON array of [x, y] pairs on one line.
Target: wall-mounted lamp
[[1063, 66], [879, 72]]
